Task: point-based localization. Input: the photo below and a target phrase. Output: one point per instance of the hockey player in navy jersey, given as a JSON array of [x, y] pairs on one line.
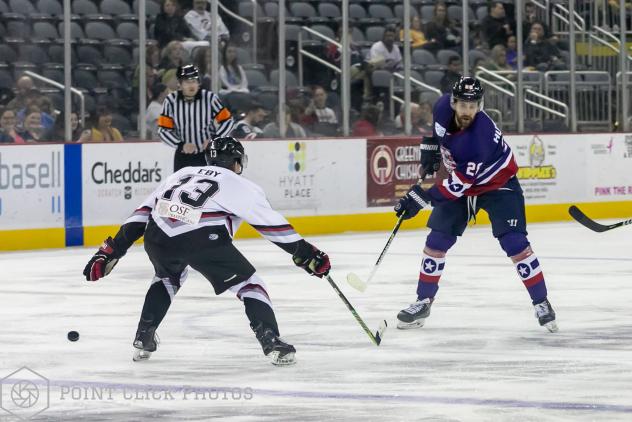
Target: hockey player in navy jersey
[[190, 220], [481, 174]]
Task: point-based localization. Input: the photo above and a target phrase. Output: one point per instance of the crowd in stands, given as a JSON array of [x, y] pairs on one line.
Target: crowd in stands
[[179, 33]]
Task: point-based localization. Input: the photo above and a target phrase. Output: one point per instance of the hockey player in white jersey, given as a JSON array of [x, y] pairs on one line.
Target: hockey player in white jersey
[[190, 220]]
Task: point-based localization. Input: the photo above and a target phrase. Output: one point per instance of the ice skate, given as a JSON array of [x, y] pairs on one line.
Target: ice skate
[[546, 315], [279, 352], [146, 342], [415, 315]]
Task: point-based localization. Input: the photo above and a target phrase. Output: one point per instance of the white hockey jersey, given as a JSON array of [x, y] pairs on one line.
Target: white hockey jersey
[[196, 197]]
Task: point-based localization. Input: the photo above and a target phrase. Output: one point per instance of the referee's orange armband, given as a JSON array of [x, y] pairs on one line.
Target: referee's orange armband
[[166, 122], [223, 115]]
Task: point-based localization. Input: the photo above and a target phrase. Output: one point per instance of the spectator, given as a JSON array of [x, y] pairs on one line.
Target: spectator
[[24, 87], [247, 127], [385, 54], [496, 26], [368, 122], [32, 129], [420, 118], [292, 129], [172, 56], [424, 124], [101, 129], [8, 120], [152, 60], [33, 98], [170, 25], [360, 83], [417, 37], [202, 60], [441, 31], [451, 75], [540, 53], [200, 23], [498, 59], [320, 119], [512, 52], [231, 74], [59, 130], [158, 93]]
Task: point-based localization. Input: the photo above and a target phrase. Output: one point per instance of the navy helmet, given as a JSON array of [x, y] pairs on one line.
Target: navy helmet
[[468, 89]]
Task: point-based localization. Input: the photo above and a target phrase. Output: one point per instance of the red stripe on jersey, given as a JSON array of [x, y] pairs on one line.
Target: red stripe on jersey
[[498, 181], [425, 278], [446, 193], [214, 214], [275, 228], [252, 288], [533, 280], [463, 178]]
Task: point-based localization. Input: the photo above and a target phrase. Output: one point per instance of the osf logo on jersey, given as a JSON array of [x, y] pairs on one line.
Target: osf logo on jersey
[[382, 165], [168, 209]]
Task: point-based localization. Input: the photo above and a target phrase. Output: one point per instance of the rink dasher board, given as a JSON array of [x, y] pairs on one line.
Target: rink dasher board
[[59, 195]]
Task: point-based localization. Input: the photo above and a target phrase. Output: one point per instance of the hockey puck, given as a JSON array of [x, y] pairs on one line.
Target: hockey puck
[[73, 335]]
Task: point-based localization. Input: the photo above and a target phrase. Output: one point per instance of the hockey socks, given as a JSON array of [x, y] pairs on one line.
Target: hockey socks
[[530, 272], [429, 275]]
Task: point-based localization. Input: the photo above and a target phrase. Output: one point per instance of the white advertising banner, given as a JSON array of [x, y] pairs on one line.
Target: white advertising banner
[[609, 169], [306, 177], [31, 187], [118, 177], [551, 167]]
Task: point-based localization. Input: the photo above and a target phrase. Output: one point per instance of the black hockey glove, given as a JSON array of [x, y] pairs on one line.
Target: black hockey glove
[[412, 202], [102, 263], [430, 158], [312, 260]]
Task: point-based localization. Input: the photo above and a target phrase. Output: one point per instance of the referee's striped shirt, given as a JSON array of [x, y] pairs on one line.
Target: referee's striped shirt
[[194, 122]]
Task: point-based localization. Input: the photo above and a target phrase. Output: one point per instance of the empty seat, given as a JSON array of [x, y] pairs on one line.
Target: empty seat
[[115, 7], [271, 9], [7, 53], [89, 54], [444, 56], [374, 33], [380, 11], [127, 30], [45, 30], [118, 52], [22, 6], [75, 30], [325, 30], [121, 122], [481, 12], [20, 67], [152, 8], [52, 7], [356, 11], [16, 25], [427, 12], [6, 79], [256, 78], [84, 7], [475, 55], [433, 78], [302, 10], [34, 54], [85, 77], [381, 78], [329, 10], [3, 30], [246, 9], [112, 76], [290, 79], [3, 7], [99, 31], [399, 12], [54, 71], [423, 57]]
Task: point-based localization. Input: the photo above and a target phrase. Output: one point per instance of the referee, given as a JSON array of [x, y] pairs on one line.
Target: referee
[[191, 117]]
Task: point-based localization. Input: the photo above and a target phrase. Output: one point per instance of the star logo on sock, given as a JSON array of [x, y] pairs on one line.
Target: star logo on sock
[[429, 266], [524, 270]]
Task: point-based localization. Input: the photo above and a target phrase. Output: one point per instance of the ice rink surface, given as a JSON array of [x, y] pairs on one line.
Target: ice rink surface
[[481, 356]]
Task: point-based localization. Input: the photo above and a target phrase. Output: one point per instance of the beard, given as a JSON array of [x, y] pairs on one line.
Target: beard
[[464, 121]]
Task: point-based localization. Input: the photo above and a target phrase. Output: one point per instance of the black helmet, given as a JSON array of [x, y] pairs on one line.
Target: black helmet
[[188, 71], [467, 89], [224, 152]]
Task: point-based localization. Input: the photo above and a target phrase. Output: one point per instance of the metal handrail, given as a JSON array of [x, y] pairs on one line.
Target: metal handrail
[[528, 90], [606, 43], [417, 82], [246, 22], [307, 54], [75, 91], [577, 19]]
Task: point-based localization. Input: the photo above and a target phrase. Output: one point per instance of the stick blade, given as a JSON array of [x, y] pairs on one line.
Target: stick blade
[[356, 282], [380, 332], [582, 219]]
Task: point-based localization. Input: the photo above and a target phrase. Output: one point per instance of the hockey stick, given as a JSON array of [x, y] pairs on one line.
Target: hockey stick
[[353, 279], [375, 338], [584, 220]]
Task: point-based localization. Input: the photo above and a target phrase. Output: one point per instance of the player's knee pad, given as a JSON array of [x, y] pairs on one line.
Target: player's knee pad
[[513, 243], [439, 241], [253, 288]]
